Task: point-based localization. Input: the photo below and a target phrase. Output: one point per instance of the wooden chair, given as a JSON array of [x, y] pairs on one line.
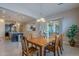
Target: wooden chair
[[61, 42], [53, 36], [29, 36], [26, 50], [53, 48]]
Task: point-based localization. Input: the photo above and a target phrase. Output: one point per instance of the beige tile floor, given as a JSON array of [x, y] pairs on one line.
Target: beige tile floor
[[68, 51], [8, 48]]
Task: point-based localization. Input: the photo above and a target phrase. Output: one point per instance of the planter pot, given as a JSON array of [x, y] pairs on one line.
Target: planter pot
[[72, 43]]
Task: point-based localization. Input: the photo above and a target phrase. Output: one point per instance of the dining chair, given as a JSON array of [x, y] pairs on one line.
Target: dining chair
[[26, 50], [53, 36], [29, 36], [61, 42], [53, 48]]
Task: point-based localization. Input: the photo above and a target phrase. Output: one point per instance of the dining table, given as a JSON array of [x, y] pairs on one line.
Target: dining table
[[41, 43]]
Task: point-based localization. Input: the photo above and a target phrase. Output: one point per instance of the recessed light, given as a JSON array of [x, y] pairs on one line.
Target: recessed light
[[2, 20]]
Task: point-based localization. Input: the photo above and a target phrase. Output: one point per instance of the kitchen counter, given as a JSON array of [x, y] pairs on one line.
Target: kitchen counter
[[16, 36]]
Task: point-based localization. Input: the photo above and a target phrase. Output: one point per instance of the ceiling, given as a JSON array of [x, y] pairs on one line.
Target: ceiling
[[12, 16], [34, 9]]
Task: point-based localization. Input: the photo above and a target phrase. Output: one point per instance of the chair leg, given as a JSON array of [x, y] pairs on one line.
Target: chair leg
[[22, 54], [44, 52], [54, 53], [58, 53], [37, 53], [48, 51], [61, 50]]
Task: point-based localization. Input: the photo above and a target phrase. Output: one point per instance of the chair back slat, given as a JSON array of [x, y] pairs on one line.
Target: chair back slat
[[29, 36], [56, 42], [24, 45], [60, 40]]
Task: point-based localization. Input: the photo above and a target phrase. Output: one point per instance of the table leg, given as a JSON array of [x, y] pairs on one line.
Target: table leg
[[41, 51]]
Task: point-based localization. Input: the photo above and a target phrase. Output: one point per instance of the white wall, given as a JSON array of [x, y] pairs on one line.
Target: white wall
[[68, 18], [2, 29]]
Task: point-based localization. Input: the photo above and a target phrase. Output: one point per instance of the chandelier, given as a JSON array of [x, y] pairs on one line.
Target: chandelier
[[41, 19]]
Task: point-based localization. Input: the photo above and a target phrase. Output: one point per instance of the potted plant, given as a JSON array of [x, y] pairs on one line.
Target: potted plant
[[71, 34]]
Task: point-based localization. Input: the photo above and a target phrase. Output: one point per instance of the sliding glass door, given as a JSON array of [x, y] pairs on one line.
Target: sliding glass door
[[51, 27]]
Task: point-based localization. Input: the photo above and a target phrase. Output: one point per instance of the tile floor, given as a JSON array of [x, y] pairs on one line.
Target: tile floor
[[8, 48]]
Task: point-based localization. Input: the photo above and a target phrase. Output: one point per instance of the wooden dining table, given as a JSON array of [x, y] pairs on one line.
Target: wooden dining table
[[41, 43]]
